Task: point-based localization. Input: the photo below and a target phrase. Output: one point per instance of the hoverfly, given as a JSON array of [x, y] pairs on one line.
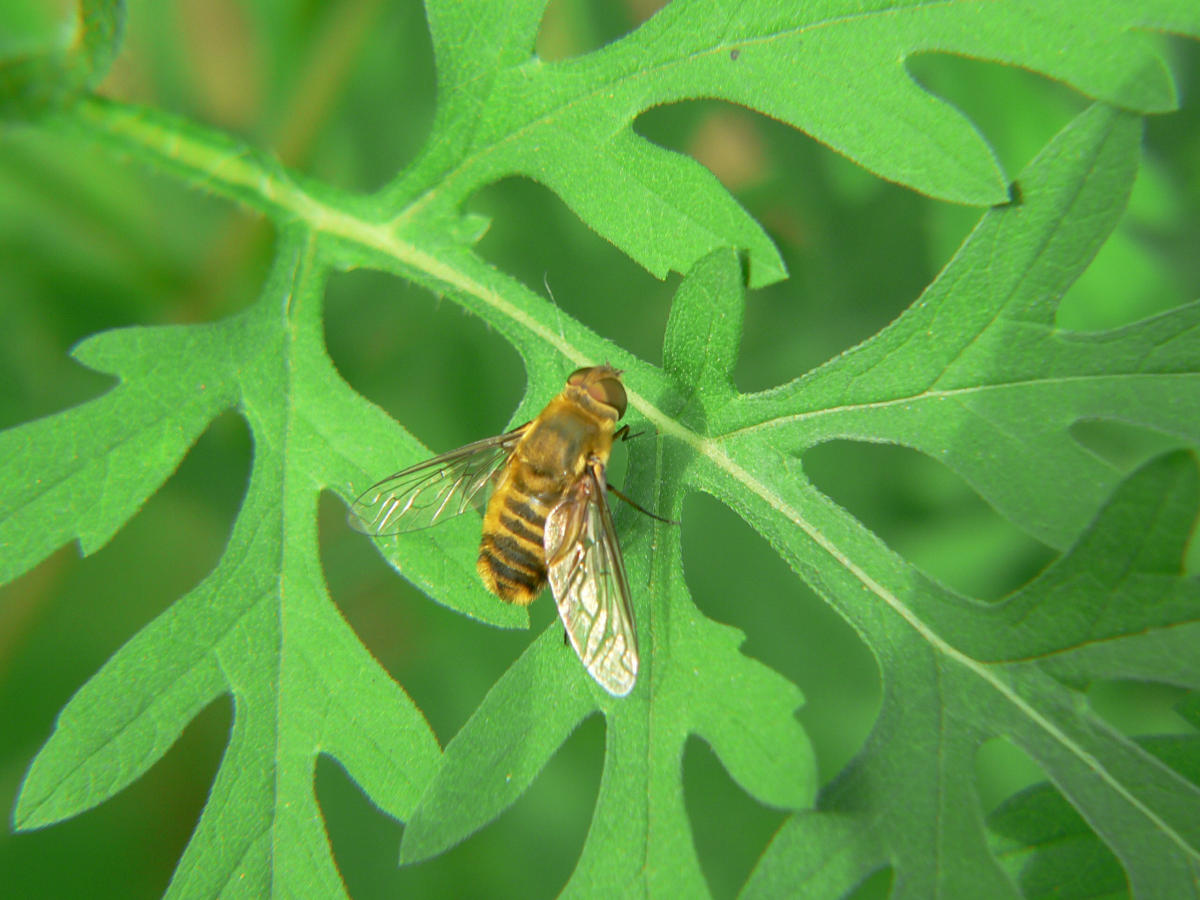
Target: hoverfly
[[543, 488]]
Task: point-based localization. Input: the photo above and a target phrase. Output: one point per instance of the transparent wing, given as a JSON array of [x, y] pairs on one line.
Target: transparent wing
[[587, 576], [433, 490]]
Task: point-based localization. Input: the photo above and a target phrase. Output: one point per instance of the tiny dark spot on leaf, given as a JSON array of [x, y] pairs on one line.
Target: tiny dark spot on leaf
[[734, 54]]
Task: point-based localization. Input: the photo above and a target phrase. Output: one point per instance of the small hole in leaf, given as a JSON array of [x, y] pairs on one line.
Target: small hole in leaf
[[929, 515], [729, 828], [737, 579], [1001, 770], [404, 349], [589, 279]]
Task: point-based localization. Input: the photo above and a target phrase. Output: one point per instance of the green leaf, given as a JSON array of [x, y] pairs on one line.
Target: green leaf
[[490, 763], [1118, 587], [1047, 845], [569, 125], [639, 838], [705, 328], [976, 374], [576, 116], [987, 398], [259, 628]]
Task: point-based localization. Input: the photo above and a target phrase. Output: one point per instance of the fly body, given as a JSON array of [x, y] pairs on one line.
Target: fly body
[[543, 487]]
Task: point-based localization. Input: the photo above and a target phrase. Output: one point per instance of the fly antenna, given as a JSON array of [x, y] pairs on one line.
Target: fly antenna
[[550, 294]]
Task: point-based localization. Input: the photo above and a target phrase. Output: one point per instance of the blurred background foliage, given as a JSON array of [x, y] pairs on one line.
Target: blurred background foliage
[[346, 93]]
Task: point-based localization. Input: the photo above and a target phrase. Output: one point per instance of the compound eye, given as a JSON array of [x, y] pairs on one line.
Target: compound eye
[[576, 377], [611, 392]]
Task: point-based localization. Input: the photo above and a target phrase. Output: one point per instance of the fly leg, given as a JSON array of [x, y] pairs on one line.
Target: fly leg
[[624, 434], [640, 508]]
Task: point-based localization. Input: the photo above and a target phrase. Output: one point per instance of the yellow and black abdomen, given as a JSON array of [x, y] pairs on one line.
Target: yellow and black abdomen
[[545, 464], [512, 561]]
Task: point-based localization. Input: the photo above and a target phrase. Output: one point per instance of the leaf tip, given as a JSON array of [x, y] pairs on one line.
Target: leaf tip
[[30, 812], [704, 329], [419, 842]]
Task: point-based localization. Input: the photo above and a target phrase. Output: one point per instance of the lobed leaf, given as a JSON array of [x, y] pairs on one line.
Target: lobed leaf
[[87, 471], [260, 628], [639, 840], [569, 125], [947, 684], [976, 374]]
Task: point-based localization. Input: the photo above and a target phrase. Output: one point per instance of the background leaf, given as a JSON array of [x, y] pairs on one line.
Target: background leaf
[[51, 52], [1050, 396]]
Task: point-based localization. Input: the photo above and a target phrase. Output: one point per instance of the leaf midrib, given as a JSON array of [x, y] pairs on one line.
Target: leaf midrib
[[924, 396]]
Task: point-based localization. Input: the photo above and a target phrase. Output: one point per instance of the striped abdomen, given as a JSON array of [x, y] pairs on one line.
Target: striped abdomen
[[512, 561]]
